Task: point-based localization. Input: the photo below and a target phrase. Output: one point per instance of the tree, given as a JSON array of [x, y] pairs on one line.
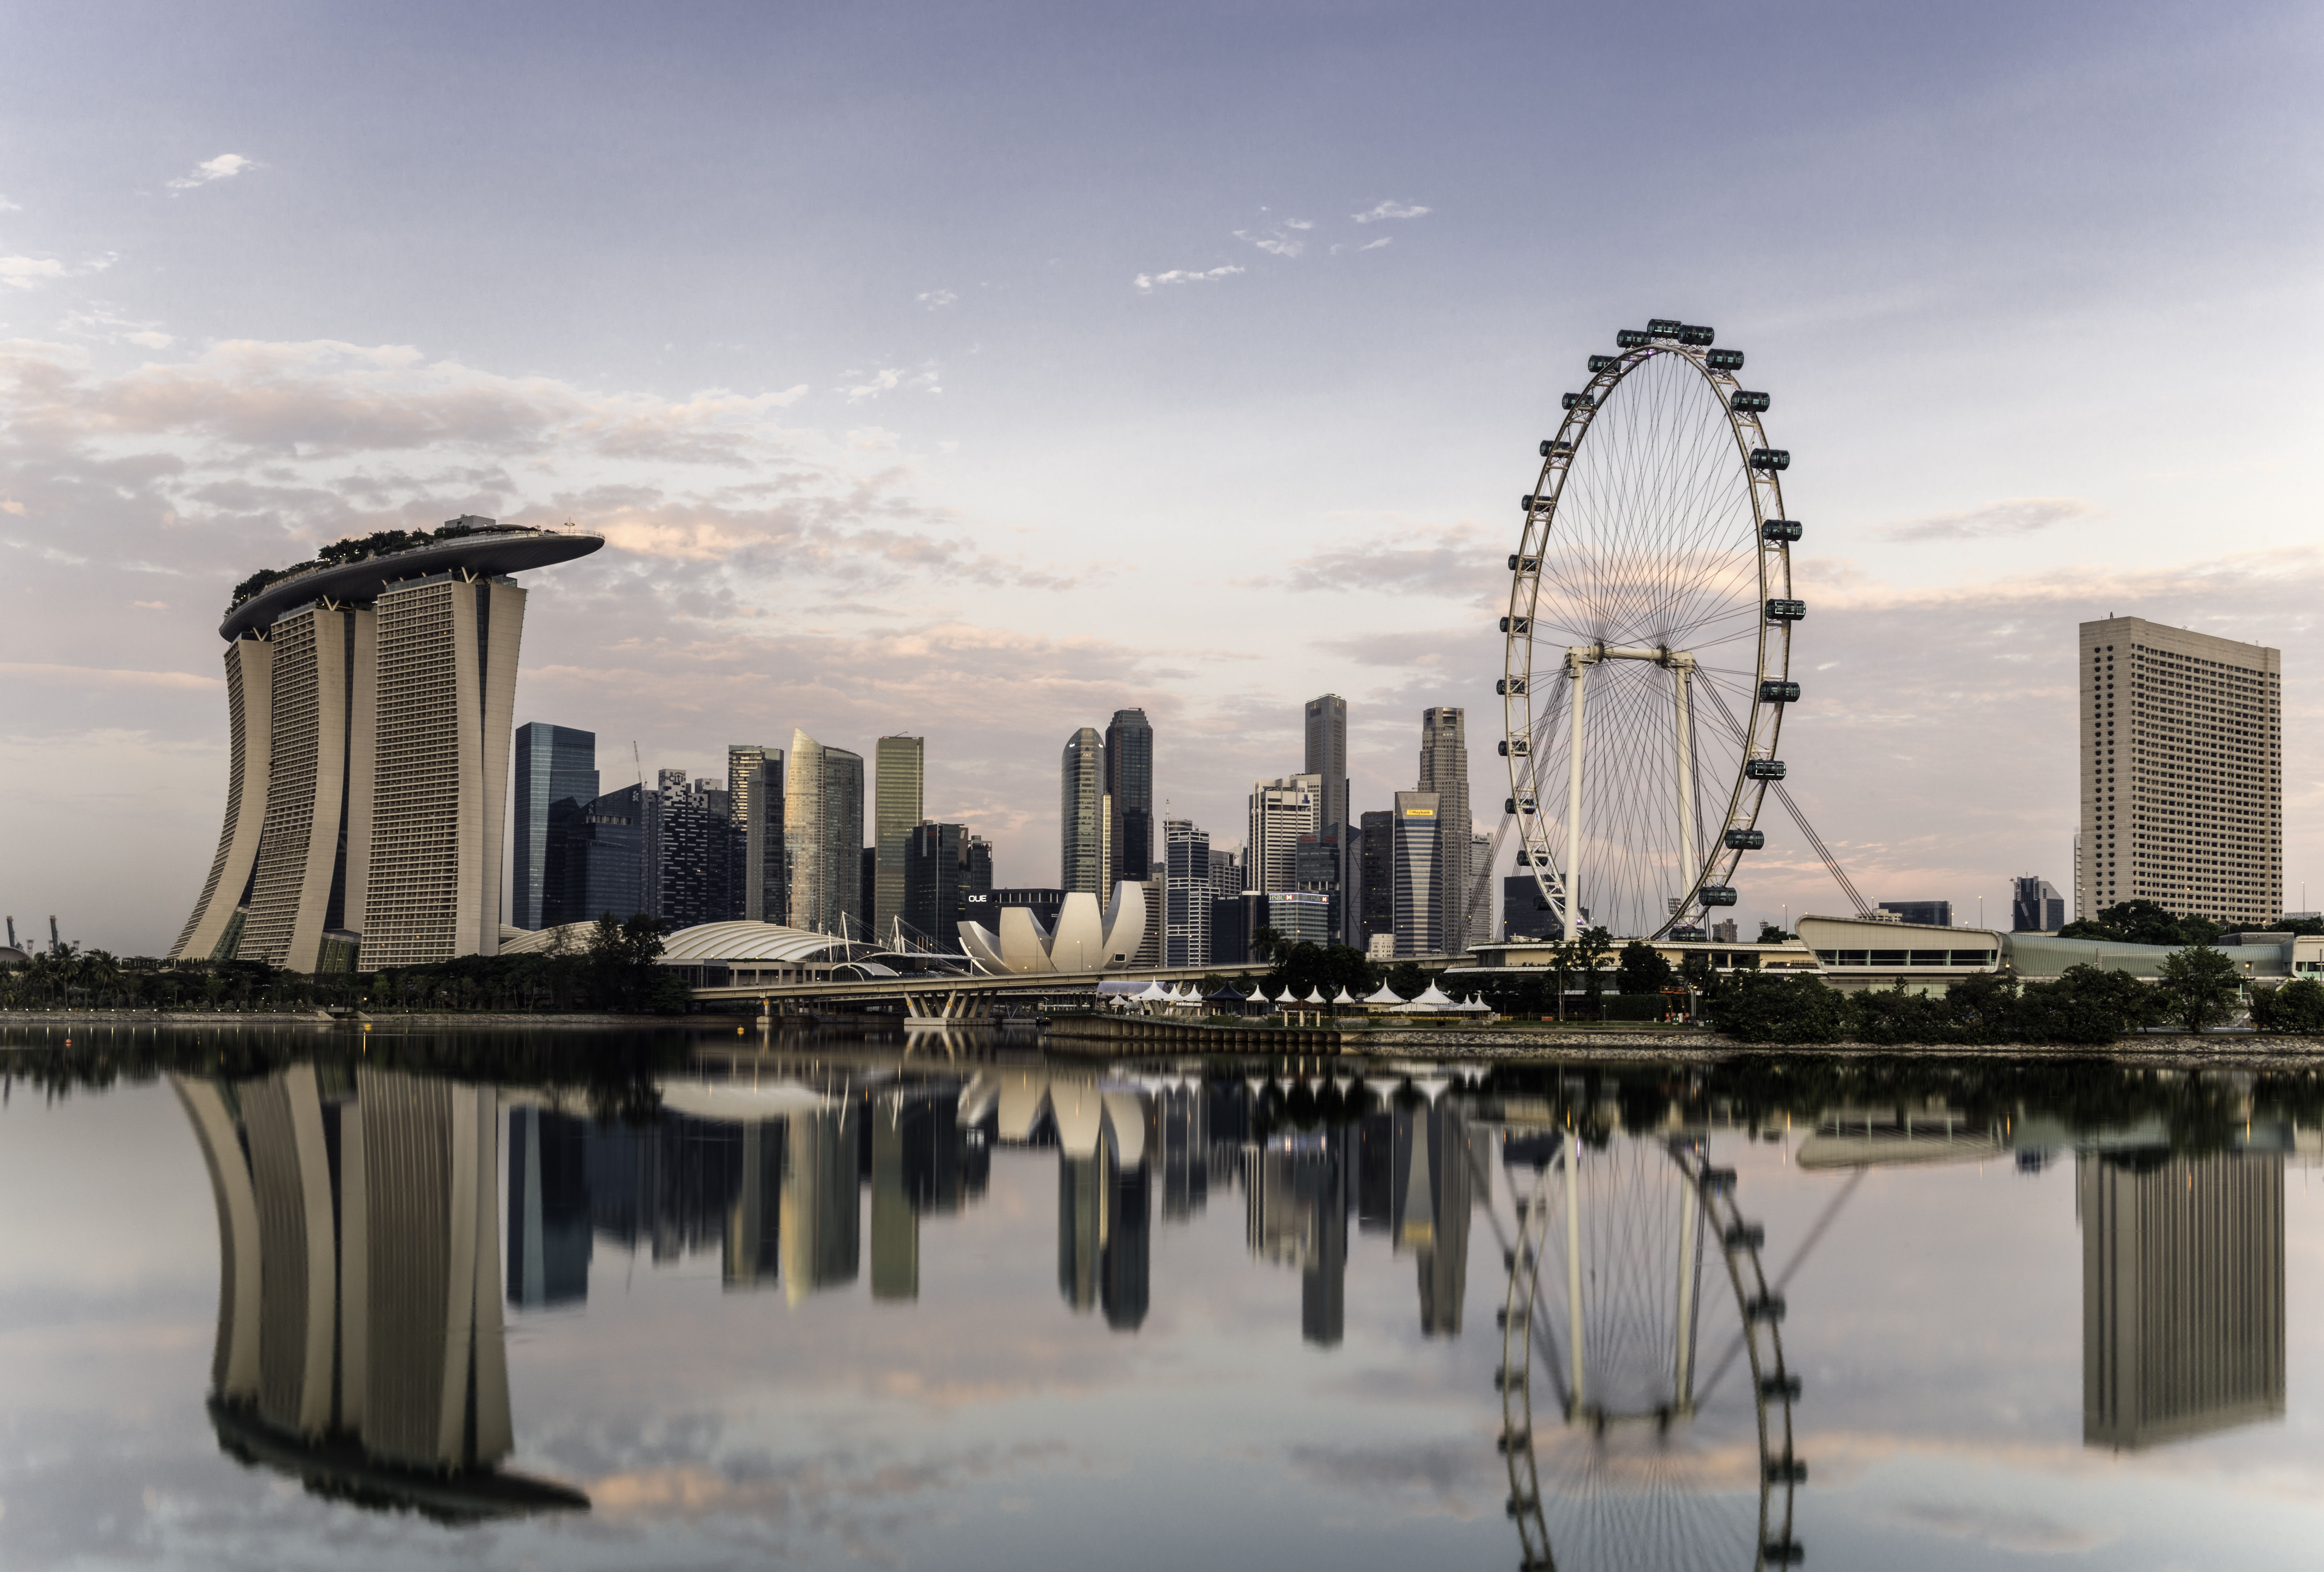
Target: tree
[[1771, 933], [1267, 945], [2143, 922], [2202, 985], [1327, 969], [1894, 1015], [2086, 1005], [2297, 1007], [1770, 1007], [1642, 969], [1590, 953], [1406, 980], [1983, 1008]]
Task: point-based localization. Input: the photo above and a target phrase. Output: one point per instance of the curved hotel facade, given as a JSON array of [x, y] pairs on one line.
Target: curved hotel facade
[[371, 705]]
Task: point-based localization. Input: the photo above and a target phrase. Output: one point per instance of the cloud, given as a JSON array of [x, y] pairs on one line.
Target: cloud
[[891, 379], [23, 272], [8, 207], [1146, 281], [937, 300], [224, 167], [1299, 223], [1457, 562], [2032, 1533], [2012, 515], [1389, 210], [1276, 245], [1376, 244]]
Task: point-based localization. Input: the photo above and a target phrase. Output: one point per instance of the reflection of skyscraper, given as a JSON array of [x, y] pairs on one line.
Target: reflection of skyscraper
[[1181, 1151], [1105, 1207], [753, 1245], [549, 1210], [2183, 1294], [895, 1225], [1296, 1193], [1430, 1201], [359, 1337], [822, 1211]]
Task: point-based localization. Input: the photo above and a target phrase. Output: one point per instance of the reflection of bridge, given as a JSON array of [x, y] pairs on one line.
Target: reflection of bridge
[[359, 1341]]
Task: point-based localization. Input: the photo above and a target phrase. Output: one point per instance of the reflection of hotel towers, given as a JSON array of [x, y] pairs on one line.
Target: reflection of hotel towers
[[1431, 1181], [1296, 1192], [780, 1198], [358, 1315], [2183, 1294]]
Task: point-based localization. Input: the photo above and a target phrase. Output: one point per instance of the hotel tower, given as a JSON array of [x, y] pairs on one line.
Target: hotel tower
[[371, 705], [2183, 773]]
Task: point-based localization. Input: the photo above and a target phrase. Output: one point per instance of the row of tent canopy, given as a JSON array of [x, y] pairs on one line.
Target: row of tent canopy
[[1431, 1001]]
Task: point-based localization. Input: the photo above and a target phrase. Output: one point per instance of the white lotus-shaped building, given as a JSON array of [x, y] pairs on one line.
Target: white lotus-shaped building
[[1085, 940]]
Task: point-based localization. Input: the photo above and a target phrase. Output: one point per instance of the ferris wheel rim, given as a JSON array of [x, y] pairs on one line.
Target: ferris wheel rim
[[1713, 1192], [1711, 863]]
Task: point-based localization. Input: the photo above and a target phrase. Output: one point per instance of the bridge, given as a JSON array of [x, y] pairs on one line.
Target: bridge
[[958, 997]]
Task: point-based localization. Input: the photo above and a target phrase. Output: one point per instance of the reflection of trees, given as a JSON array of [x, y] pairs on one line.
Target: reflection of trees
[[359, 1341]]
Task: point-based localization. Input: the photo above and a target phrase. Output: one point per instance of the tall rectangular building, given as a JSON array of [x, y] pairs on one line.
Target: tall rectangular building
[[754, 788], [1327, 756], [1185, 894], [1281, 811], [1375, 878], [1445, 771], [897, 784], [597, 858], [1083, 832], [2182, 773], [823, 825], [1129, 782], [935, 872], [1416, 879], [554, 764]]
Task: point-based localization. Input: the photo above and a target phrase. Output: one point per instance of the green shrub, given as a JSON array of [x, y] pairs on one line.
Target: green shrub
[[1635, 1006], [1892, 1015], [1764, 1007]]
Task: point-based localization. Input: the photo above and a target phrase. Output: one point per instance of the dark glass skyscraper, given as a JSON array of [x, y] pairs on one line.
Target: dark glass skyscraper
[[598, 858], [1376, 877], [1130, 784], [935, 872], [1327, 756], [554, 764]]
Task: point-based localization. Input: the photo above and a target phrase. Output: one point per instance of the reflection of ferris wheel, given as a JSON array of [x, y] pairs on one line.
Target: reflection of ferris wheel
[[1648, 645], [1665, 1438]]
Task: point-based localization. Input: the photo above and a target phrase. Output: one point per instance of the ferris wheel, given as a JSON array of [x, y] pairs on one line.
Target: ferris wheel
[[1647, 644], [1645, 1404]]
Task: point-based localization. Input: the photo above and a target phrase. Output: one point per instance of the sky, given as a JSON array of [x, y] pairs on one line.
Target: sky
[[975, 371]]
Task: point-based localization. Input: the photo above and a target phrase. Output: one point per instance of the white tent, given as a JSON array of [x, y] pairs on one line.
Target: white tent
[[1474, 1006], [1344, 997], [1431, 1001], [1152, 993], [1387, 996]]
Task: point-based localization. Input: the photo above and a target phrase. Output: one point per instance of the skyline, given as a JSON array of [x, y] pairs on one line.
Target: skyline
[[993, 489]]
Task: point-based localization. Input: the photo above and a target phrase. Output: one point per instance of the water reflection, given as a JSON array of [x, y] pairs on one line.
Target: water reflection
[[2182, 1293], [359, 1340]]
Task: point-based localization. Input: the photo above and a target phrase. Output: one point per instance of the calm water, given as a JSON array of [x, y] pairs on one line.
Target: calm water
[[445, 1302]]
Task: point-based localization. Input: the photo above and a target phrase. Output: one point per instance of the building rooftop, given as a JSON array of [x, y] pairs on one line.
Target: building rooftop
[[500, 549]]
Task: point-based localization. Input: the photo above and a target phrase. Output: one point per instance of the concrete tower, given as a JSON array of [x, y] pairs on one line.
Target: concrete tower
[[1445, 771], [898, 788]]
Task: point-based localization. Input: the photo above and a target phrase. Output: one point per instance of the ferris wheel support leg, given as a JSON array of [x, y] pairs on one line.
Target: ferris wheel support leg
[[1573, 1264], [1690, 867], [1575, 665]]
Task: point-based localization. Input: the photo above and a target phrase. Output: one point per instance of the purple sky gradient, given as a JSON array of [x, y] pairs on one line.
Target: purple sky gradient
[[834, 321]]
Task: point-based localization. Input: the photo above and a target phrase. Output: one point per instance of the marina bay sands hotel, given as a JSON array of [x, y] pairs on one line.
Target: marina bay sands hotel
[[372, 703]]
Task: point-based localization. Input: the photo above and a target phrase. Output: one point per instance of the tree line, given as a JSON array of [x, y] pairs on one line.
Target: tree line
[[616, 970]]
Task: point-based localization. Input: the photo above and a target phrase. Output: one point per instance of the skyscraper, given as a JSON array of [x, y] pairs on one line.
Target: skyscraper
[[1185, 894], [1376, 877], [823, 823], [978, 880], [1327, 756], [1081, 828], [597, 859], [2035, 906], [2182, 773], [1445, 771], [1129, 782], [897, 805], [370, 702], [754, 784], [936, 875], [554, 764], [697, 860], [1417, 881], [1281, 811]]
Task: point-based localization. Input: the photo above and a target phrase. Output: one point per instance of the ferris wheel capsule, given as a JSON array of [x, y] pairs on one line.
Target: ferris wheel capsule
[[1724, 360]]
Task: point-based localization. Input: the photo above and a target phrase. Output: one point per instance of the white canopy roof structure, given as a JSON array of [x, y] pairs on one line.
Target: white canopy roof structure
[[1386, 995], [1474, 1006], [1431, 1001], [1344, 997]]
